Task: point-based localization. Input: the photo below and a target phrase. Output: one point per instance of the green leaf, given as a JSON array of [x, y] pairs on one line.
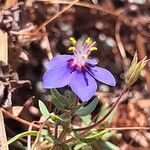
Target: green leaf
[[105, 109], [52, 117], [107, 145], [71, 98], [111, 116], [21, 135], [46, 136], [81, 146], [55, 117], [94, 137], [79, 106], [84, 111], [58, 100], [50, 138], [86, 119], [108, 135], [44, 111], [65, 117]]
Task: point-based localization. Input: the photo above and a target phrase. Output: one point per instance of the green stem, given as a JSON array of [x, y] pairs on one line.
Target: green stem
[[56, 130], [62, 136]]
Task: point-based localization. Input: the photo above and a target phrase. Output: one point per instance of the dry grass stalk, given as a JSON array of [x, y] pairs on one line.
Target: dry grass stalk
[[3, 46], [3, 57]]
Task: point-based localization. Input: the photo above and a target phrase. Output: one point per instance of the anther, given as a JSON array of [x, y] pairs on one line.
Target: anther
[[93, 48], [88, 40], [72, 48], [72, 40]]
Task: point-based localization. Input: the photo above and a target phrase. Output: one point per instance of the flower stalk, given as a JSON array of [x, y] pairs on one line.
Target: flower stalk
[[66, 126]]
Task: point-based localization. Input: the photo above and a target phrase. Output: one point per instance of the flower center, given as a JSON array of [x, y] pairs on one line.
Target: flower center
[[81, 52]]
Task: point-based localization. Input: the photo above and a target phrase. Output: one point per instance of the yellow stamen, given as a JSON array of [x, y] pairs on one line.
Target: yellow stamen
[[72, 48], [88, 40], [72, 40], [85, 56], [93, 48]]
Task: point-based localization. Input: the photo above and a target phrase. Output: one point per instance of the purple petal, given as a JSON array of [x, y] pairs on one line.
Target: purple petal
[[103, 75], [91, 61], [57, 76], [57, 60], [83, 85]]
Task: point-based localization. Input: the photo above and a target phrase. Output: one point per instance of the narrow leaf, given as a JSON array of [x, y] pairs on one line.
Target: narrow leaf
[[80, 146], [104, 111], [44, 111], [84, 111], [57, 99], [55, 117], [94, 137], [18, 136], [86, 119], [71, 99], [50, 138], [108, 135]]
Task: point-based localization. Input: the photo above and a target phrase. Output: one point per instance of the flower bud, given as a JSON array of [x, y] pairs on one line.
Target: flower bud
[[134, 70]]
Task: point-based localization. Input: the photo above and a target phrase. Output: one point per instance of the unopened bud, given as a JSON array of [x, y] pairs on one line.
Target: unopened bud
[[134, 70]]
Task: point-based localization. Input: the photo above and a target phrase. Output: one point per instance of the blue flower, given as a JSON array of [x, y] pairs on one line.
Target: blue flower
[[77, 71]]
